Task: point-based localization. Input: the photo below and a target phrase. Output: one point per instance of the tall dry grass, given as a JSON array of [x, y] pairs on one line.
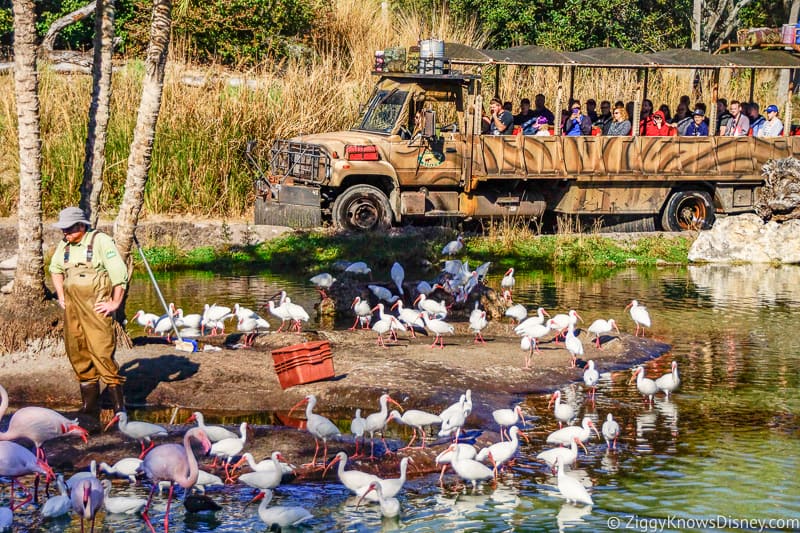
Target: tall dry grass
[[198, 164]]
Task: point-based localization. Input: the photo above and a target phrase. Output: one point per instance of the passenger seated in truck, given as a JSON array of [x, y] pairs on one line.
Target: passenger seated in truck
[[658, 126], [525, 116], [577, 123], [620, 124], [698, 127], [772, 127], [540, 110], [501, 122]]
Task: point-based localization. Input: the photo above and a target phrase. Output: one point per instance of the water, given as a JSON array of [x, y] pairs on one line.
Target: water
[[724, 448]]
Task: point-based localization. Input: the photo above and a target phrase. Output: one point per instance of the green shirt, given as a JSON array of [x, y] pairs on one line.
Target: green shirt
[[105, 257]]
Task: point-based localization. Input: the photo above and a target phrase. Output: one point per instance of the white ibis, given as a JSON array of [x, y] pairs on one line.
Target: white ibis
[[567, 456], [87, 498], [174, 463], [565, 435], [670, 381], [376, 422], [390, 506], [570, 488], [508, 417], [464, 403], [359, 267], [191, 321], [438, 327], [432, 307], [518, 312], [454, 419], [363, 312], [323, 282], [591, 377], [215, 315], [125, 467], [530, 322], [265, 479], [281, 312], [469, 469], [16, 461], [647, 387], [146, 320], [319, 426], [386, 323], [38, 424], [601, 327], [204, 479], [561, 322], [120, 504], [610, 431], [214, 433], [417, 420], [409, 317], [251, 327], [573, 344], [563, 412], [56, 506], [477, 323], [357, 429], [398, 276], [453, 247], [141, 431], [501, 452], [352, 479], [382, 293], [467, 451], [390, 487], [508, 280], [639, 315], [267, 465], [296, 313], [240, 312], [280, 515], [228, 448]]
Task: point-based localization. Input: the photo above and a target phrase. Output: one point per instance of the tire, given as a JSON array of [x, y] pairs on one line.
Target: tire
[[688, 210], [362, 208]]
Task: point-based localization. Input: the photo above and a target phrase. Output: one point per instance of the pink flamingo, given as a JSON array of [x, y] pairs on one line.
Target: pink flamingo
[[174, 463], [39, 425], [87, 497], [16, 461]]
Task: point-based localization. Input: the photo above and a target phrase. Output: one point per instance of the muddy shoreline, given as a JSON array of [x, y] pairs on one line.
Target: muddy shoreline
[[244, 381]]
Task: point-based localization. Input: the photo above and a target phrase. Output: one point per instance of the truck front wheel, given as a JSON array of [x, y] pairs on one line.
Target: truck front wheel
[[362, 208], [688, 210]]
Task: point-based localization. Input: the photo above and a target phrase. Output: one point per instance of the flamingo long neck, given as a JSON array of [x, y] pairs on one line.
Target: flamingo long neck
[[194, 472]]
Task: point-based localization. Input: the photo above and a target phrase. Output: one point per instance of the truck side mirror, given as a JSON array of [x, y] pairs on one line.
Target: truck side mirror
[[429, 130]]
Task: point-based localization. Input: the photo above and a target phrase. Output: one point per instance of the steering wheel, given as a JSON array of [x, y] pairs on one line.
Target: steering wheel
[[453, 127]]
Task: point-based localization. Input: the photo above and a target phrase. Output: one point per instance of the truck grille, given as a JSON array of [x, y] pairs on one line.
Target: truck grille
[[302, 161]]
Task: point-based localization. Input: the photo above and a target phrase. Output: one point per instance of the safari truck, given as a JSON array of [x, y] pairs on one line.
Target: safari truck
[[417, 152]]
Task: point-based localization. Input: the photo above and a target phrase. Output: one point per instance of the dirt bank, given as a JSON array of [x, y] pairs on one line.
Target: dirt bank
[[241, 380]]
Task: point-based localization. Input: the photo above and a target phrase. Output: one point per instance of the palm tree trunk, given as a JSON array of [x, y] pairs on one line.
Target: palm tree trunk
[[95, 150], [145, 131], [29, 276]]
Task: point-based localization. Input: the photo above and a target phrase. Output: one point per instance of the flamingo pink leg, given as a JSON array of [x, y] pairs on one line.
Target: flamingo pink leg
[[169, 501]]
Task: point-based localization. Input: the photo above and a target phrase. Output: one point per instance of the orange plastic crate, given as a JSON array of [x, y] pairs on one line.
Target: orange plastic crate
[[303, 363]]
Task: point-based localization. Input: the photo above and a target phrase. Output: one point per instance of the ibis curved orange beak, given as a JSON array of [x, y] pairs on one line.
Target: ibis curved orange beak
[[415, 301], [333, 462], [581, 445], [111, 422], [298, 404]]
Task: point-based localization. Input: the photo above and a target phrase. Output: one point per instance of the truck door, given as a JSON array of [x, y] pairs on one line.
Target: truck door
[[431, 161]]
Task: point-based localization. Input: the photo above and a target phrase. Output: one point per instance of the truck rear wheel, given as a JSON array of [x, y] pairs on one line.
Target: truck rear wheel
[[688, 210], [362, 208]]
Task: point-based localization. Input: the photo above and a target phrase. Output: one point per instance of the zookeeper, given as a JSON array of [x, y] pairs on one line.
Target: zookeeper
[[90, 280]]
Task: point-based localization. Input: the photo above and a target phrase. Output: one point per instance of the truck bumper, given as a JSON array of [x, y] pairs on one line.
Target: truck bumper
[[296, 206]]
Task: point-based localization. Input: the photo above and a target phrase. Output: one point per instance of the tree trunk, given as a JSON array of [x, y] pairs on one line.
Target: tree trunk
[[29, 276], [95, 150], [145, 131], [697, 23], [67, 20]]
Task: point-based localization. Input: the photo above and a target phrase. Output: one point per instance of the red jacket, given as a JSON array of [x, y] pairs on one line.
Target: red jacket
[[648, 128]]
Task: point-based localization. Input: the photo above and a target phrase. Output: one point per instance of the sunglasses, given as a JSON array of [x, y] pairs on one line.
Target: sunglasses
[[72, 229]]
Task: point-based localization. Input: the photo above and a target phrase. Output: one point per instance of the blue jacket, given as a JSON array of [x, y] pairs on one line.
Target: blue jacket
[[695, 130]]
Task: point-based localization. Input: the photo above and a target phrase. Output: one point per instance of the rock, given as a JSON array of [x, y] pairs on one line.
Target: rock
[[7, 288], [9, 264], [748, 239]]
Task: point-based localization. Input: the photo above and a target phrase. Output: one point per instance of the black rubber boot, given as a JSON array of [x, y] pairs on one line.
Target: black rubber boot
[[117, 398], [90, 395]]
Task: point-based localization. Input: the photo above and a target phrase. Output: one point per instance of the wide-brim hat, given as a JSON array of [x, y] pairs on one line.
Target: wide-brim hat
[[69, 216]]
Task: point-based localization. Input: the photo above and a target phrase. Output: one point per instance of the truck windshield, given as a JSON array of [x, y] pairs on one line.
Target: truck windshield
[[383, 110]]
